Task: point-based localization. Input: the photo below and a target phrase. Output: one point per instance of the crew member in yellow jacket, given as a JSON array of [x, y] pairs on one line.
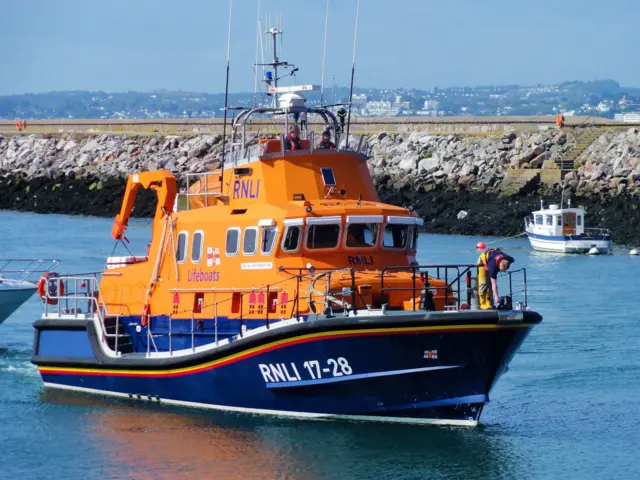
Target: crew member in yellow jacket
[[491, 262]]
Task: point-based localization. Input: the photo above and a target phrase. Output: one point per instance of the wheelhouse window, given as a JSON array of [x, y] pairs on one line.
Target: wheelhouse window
[[323, 236], [233, 242], [539, 220], [268, 240], [328, 177], [579, 220], [413, 239], [559, 220], [362, 235], [395, 236], [549, 220], [291, 238], [250, 242], [196, 247], [181, 248]]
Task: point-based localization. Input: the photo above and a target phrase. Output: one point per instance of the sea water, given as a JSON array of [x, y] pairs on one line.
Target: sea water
[[569, 407]]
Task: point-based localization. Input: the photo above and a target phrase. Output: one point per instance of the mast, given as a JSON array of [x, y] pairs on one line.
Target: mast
[[353, 72], [226, 91], [324, 53], [274, 32]]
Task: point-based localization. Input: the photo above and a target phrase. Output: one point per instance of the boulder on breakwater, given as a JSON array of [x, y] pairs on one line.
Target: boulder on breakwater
[[437, 176]]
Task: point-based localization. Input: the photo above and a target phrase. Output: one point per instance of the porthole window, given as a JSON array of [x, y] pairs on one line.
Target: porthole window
[[233, 242], [196, 247], [181, 247], [250, 242]]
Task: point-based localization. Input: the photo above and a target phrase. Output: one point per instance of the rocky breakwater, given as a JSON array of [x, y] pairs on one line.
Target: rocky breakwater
[[86, 174], [457, 183]]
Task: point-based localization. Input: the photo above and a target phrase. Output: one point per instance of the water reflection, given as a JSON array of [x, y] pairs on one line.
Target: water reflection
[[151, 441]]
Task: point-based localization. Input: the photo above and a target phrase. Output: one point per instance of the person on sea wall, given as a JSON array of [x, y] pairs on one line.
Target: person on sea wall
[[491, 262], [292, 141], [326, 142]]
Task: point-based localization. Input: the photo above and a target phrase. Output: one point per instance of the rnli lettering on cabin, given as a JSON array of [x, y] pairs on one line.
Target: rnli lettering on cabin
[[360, 260], [199, 275], [246, 188]]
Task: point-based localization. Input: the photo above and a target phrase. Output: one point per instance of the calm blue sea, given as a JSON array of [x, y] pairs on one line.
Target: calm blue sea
[[568, 408]]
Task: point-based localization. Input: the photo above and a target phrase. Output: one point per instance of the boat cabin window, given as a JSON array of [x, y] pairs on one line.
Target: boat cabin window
[[323, 236], [579, 220], [196, 247], [328, 177], [250, 243], [395, 236], [268, 240], [291, 239], [233, 241], [538, 219], [362, 235], [559, 222], [549, 219], [413, 239], [181, 249]]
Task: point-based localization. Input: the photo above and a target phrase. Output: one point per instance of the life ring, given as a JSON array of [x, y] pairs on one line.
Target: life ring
[[48, 288], [144, 318]]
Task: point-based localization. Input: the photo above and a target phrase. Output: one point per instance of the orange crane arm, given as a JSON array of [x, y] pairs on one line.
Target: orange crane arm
[[162, 181]]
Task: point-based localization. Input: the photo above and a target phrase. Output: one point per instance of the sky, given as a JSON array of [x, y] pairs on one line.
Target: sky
[[144, 45]]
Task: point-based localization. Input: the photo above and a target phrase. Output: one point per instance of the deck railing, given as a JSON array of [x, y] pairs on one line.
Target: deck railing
[[459, 282], [23, 268], [80, 297]]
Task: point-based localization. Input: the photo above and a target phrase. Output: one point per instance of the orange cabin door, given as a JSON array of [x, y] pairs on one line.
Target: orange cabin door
[[569, 223]]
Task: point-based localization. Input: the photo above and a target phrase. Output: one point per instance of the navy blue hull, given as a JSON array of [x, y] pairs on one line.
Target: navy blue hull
[[421, 371]]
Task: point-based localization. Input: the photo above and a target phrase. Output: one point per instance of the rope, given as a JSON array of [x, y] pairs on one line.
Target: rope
[[505, 238]]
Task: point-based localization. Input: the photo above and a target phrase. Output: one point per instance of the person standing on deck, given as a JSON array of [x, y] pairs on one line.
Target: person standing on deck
[[490, 263]]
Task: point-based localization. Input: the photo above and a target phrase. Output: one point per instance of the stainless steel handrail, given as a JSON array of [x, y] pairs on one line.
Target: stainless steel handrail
[[29, 267]]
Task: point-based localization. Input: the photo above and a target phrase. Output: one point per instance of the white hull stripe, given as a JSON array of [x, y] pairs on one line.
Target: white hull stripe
[[320, 381], [280, 413]]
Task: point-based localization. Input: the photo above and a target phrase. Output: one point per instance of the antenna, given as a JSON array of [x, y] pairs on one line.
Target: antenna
[[255, 65], [226, 91], [353, 71], [324, 54], [272, 78]]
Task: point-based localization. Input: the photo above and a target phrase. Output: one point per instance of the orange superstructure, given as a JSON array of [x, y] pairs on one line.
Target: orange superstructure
[[258, 237]]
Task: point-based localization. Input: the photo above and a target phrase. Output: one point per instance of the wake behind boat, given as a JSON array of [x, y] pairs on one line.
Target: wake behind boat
[[280, 284], [16, 286]]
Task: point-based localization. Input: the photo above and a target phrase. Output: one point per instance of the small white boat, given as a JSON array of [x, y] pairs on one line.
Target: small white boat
[[16, 285], [562, 230]]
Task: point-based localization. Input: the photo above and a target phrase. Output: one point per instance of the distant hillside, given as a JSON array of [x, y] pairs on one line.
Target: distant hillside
[[600, 98]]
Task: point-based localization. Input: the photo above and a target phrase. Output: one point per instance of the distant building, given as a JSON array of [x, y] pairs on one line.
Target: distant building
[[358, 99], [631, 117]]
